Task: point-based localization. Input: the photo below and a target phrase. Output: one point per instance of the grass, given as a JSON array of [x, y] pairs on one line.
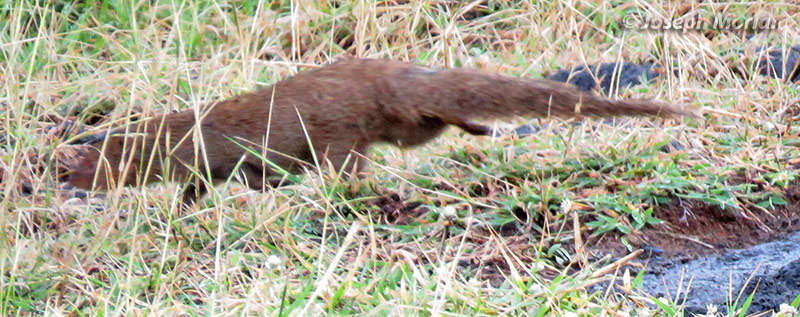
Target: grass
[[328, 245]]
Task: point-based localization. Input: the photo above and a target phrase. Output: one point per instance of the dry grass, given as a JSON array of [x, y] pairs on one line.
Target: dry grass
[[332, 246]]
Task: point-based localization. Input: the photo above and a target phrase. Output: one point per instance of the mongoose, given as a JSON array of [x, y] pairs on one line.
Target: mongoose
[[326, 114]]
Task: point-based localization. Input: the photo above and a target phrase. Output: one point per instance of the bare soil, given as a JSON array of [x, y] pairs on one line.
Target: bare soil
[[717, 252], [722, 251], [692, 229]]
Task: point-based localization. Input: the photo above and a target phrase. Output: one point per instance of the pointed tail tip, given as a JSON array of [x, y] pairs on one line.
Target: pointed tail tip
[[662, 109], [682, 110]]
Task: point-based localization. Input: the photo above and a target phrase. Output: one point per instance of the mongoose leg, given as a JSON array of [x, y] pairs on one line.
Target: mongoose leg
[[475, 128], [194, 189]]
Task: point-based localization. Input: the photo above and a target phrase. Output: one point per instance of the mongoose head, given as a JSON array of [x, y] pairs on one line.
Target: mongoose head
[[100, 168]]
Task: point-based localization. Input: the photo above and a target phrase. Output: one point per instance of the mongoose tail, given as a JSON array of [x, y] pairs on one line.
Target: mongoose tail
[[473, 94]]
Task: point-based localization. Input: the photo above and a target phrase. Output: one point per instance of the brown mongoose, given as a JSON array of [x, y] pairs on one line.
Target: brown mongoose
[[326, 113]]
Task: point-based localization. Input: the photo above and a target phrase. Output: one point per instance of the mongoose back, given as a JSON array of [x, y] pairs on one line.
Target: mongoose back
[[326, 113]]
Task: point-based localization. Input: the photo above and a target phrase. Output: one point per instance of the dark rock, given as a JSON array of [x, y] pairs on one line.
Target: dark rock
[[672, 146], [627, 75], [774, 63], [526, 130], [775, 266], [652, 250], [775, 289]]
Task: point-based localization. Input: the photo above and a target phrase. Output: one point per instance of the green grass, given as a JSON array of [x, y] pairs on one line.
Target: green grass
[[323, 245]]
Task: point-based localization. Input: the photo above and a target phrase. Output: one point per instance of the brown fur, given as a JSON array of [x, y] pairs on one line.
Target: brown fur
[[344, 107]]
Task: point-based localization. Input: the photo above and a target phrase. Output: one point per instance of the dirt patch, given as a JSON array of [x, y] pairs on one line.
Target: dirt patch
[[769, 271], [395, 211], [692, 229], [692, 232], [715, 251], [721, 251]]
